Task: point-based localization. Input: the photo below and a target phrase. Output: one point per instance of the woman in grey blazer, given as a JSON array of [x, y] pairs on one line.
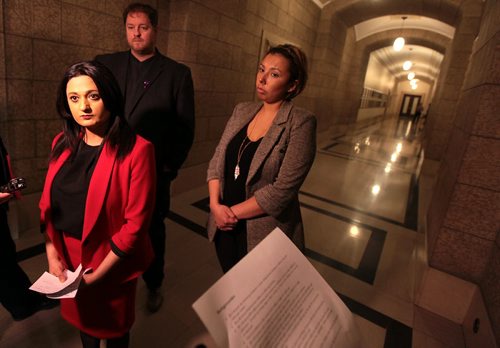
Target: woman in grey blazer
[[262, 159]]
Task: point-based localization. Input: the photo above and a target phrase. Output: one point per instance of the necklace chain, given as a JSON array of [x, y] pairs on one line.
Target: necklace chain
[[242, 149]]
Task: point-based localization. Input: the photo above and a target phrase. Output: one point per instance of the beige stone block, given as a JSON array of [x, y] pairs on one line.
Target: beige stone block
[[210, 103], [475, 211], [438, 207], [252, 44], [215, 53], [203, 21], [46, 130], [460, 61], [2, 57], [47, 19], [1, 16], [3, 103], [476, 325], [201, 129], [490, 288], [190, 177], [18, 53], [442, 304], [229, 8], [44, 99], [18, 17], [231, 32], [487, 118], [444, 331], [252, 23], [95, 5], [178, 17], [469, 25], [463, 43], [472, 8], [247, 83], [489, 23], [22, 139], [282, 4], [251, 62], [203, 77], [52, 59], [268, 11], [284, 20], [253, 5], [485, 64], [201, 152], [461, 254], [19, 99], [115, 7], [112, 36], [237, 59], [480, 163], [224, 80], [92, 29], [183, 46], [216, 126]]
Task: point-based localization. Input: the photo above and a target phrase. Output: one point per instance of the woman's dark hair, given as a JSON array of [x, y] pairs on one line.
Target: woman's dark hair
[[119, 134], [143, 8], [298, 66]]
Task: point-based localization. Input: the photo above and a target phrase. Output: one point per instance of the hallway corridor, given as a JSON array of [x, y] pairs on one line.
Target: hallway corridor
[[360, 209]]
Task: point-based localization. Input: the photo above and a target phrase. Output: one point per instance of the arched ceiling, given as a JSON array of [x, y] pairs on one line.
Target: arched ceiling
[[395, 22], [426, 61], [383, 19]]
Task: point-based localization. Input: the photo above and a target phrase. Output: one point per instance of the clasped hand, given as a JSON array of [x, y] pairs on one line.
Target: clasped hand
[[58, 269], [225, 219]]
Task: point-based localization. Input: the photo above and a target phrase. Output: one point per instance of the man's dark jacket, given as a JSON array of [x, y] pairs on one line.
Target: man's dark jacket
[[164, 112]]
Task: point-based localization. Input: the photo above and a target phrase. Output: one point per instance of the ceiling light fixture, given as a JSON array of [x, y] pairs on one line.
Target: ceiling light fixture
[[411, 75], [407, 65], [399, 43]]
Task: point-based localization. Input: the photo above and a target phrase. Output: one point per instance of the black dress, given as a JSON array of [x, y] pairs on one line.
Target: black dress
[[231, 246]]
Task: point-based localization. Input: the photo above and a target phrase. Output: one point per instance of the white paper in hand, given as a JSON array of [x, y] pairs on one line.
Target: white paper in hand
[[50, 285]]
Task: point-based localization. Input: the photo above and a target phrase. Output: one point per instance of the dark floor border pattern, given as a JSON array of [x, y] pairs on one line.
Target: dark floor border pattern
[[369, 261]]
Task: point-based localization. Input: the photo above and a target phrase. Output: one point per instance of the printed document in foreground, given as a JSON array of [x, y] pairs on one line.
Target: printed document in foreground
[[275, 297]]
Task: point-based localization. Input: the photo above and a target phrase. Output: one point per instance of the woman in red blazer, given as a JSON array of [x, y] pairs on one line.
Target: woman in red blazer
[[97, 203]]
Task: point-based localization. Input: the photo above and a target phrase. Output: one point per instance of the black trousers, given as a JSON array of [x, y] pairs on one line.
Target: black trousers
[[153, 277], [231, 246], [15, 295]]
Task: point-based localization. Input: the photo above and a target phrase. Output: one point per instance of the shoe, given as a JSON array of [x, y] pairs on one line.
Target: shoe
[[155, 300], [47, 303], [43, 304]]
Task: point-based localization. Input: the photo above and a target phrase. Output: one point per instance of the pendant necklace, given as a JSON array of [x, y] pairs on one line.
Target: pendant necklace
[[241, 149]]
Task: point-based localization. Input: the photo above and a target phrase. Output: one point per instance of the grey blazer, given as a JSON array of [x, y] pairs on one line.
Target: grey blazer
[[278, 169]]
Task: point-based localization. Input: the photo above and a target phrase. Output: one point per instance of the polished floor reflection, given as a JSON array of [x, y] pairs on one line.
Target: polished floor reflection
[[360, 205]]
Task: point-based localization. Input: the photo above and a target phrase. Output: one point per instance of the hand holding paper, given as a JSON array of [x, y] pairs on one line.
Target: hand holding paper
[[50, 285]]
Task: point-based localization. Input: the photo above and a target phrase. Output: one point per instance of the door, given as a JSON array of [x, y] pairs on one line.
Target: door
[[409, 105]]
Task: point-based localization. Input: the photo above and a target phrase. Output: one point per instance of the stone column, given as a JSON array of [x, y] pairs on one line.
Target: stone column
[[442, 112]]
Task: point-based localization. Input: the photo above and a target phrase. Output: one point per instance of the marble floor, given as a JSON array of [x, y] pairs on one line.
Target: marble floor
[[360, 206]]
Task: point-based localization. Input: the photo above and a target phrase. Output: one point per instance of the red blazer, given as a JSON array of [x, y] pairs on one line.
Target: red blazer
[[119, 206]]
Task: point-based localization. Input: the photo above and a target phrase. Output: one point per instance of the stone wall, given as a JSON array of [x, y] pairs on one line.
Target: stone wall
[[219, 40], [464, 216]]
